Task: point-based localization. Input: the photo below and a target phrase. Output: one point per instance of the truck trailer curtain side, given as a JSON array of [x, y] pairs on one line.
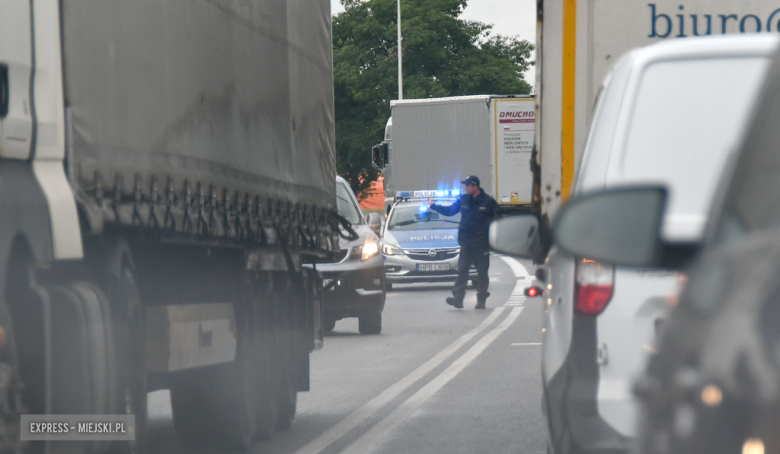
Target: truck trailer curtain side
[[210, 100]]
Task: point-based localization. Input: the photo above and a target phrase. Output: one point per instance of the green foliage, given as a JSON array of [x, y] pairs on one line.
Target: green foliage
[[442, 56]]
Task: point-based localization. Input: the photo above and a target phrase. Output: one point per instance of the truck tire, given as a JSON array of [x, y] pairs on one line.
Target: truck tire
[[286, 299], [85, 375], [229, 406], [117, 279], [328, 324], [213, 408], [22, 363], [370, 323], [288, 403], [219, 407], [10, 386]]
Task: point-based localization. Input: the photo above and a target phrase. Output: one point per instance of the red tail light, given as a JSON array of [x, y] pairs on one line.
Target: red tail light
[[531, 291], [592, 287]]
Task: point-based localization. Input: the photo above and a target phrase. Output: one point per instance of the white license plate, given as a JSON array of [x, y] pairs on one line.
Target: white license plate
[[433, 266]]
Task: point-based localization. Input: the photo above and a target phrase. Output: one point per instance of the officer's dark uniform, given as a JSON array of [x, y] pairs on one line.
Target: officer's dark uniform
[[475, 215]]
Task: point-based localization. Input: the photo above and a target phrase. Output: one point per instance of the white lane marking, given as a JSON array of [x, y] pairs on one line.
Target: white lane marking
[[378, 433], [517, 268], [359, 415], [528, 343], [519, 288]]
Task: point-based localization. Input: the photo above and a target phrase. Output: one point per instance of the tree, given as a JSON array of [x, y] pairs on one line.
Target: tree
[[443, 55]]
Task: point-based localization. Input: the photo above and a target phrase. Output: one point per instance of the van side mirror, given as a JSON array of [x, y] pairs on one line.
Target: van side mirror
[[380, 155], [518, 235], [620, 226], [375, 222]]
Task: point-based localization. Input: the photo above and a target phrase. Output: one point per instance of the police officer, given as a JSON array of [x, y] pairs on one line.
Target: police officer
[[477, 209]]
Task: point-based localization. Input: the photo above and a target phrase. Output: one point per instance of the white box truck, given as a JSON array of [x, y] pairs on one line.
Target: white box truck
[[432, 144], [577, 43]]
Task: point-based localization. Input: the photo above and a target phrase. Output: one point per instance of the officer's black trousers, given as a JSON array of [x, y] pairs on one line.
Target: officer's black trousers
[[480, 256]]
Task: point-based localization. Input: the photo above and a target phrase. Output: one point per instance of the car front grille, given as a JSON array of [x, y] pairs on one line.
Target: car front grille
[[424, 255], [342, 254]]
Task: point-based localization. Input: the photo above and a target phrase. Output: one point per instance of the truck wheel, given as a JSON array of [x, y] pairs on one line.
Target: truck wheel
[[217, 407], [328, 324], [229, 406], [119, 284], [83, 355], [288, 403], [370, 323], [10, 386], [213, 408]]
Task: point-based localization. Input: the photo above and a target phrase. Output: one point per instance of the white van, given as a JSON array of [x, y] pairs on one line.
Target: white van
[[669, 114]]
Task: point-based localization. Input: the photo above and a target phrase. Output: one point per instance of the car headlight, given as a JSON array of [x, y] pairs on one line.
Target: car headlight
[[389, 249], [370, 249]]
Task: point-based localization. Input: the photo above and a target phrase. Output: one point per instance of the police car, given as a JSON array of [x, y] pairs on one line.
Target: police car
[[419, 244]]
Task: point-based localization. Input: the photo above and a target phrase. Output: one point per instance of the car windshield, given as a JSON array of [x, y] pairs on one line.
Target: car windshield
[[346, 204], [411, 217]]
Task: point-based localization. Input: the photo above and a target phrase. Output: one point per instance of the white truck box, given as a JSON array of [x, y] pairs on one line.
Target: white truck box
[[577, 42], [434, 143]]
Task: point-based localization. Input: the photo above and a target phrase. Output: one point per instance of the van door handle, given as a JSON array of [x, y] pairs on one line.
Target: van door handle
[[3, 91]]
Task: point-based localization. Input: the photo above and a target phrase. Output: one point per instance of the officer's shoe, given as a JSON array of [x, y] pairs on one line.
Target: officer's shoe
[[481, 299], [455, 302]]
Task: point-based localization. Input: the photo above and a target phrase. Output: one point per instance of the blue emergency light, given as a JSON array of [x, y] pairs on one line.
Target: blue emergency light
[[423, 208], [427, 194]]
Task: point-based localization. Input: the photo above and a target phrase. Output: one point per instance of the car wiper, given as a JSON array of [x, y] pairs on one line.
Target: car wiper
[[402, 223]]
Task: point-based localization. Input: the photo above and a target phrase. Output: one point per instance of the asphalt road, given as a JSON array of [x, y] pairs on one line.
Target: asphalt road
[[437, 380]]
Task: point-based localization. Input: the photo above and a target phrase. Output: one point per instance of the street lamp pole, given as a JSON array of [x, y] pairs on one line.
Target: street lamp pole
[[400, 57]]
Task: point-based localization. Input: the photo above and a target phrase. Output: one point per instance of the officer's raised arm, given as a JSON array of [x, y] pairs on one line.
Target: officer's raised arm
[[447, 210]]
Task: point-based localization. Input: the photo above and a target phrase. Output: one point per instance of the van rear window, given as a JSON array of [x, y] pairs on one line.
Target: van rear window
[[687, 117]]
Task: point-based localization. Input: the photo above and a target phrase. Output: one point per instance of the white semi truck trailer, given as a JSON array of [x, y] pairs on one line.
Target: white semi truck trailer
[[166, 166], [432, 144]]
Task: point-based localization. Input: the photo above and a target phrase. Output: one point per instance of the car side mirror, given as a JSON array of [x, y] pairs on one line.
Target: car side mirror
[[516, 235], [620, 226], [374, 222]]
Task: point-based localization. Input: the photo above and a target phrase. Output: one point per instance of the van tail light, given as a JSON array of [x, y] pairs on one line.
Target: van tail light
[[592, 287]]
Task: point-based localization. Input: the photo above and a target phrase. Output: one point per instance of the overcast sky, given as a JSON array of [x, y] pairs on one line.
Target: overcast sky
[[509, 17]]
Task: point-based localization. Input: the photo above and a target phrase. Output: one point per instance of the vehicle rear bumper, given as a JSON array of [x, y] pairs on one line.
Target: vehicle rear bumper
[[570, 401]]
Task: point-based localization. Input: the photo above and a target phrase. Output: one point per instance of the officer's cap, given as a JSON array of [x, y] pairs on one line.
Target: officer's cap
[[471, 179]]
